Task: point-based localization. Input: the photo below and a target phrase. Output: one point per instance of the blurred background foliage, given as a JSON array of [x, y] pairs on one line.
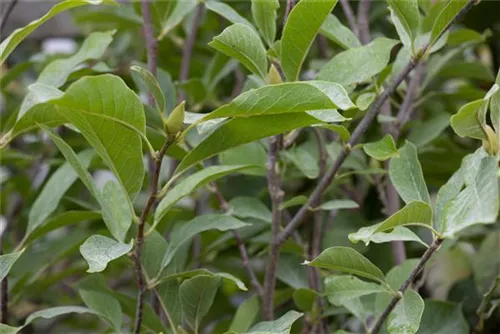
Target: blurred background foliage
[[52, 271]]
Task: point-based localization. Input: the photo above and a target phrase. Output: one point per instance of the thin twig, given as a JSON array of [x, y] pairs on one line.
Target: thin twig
[[239, 84], [187, 52], [364, 21], [322, 47], [224, 205], [317, 234], [393, 206], [413, 276], [152, 54], [151, 42], [6, 14], [288, 9], [404, 113], [407, 108], [276, 194], [484, 304], [140, 236], [359, 131], [318, 216], [349, 14]]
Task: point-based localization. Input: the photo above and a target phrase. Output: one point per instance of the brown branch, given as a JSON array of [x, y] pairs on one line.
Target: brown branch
[[276, 194], [187, 51], [481, 311], [153, 169], [407, 108], [318, 215], [349, 14], [413, 276], [140, 236], [404, 113], [224, 205], [317, 234], [359, 131], [7, 13], [288, 9], [364, 21]]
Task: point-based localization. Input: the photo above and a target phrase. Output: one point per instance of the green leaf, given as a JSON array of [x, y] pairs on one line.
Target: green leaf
[[18, 35], [338, 204], [495, 104], [98, 251], [335, 31], [360, 309], [340, 289], [61, 220], [112, 215], [53, 191], [152, 85], [264, 13], [197, 295], [465, 175], [445, 17], [400, 273], [423, 133], [347, 260], [290, 272], [150, 322], [105, 305], [406, 316], [242, 43], [477, 203], [382, 149], [227, 12], [443, 318], [13, 73], [6, 263], [169, 294], [196, 272], [181, 10], [292, 97], [108, 114], [305, 299], [486, 266], [398, 233], [300, 30], [57, 72], [413, 213], [304, 161], [193, 182], [408, 15], [45, 314], [117, 205], [245, 315], [364, 101], [406, 175], [359, 64], [466, 122], [282, 325], [240, 131], [294, 201], [249, 207], [252, 154], [466, 70], [184, 232]]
